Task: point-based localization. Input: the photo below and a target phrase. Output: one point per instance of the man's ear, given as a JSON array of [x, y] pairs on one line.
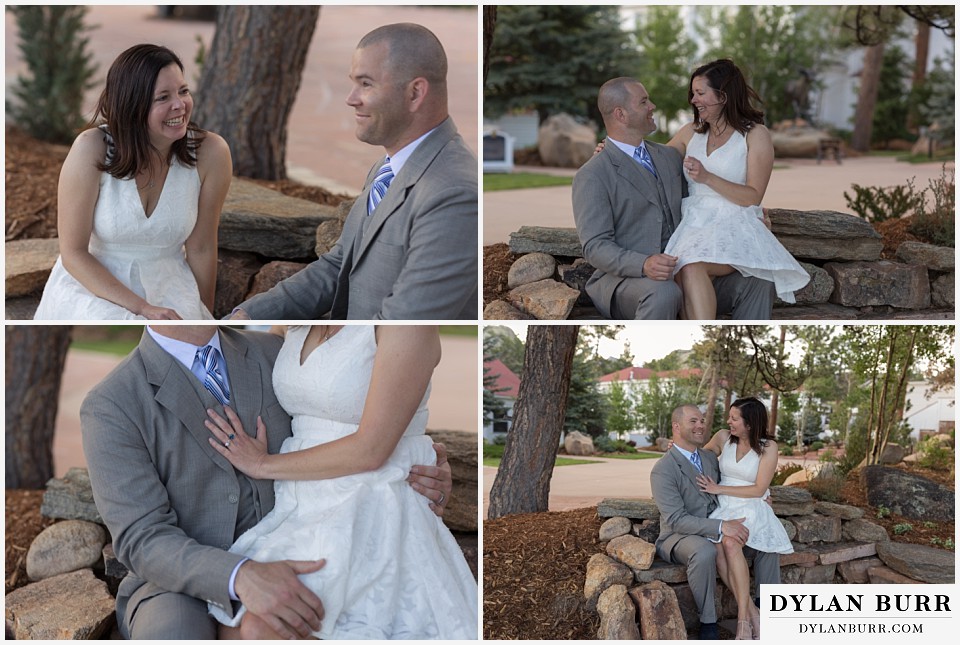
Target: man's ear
[[417, 91]]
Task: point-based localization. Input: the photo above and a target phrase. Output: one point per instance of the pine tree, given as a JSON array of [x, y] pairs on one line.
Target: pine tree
[[49, 99]]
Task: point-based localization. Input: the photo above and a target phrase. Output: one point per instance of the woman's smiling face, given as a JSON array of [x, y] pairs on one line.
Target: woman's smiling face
[[171, 107]]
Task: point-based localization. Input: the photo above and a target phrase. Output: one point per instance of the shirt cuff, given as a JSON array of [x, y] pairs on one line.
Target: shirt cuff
[[719, 535], [233, 579]]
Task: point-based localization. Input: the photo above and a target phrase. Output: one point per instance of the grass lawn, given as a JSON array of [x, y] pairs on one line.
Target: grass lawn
[[117, 347], [514, 181], [494, 462], [630, 455], [459, 330]]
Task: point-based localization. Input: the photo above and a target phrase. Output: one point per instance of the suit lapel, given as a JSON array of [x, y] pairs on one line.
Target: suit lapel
[[176, 393], [667, 177], [634, 174], [408, 176], [690, 471]]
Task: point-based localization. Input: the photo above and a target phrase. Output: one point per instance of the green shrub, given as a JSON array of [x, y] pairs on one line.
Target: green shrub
[[500, 440], [882, 512], [603, 443], [938, 225], [783, 472], [935, 456], [929, 525], [492, 450], [877, 204], [826, 488], [902, 527], [816, 445], [786, 450], [828, 457]]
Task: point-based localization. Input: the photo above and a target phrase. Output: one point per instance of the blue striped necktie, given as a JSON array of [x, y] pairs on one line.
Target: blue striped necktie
[[695, 458], [215, 380], [380, 184], [642, 155]]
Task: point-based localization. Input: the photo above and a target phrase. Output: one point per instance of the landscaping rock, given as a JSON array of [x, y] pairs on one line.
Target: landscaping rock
[[618, 616], [28, 265], [70, 498], [818, 290], [791, 501], [64, 547], [824, 311], [603, 572], [936, 258], [843, 511], [544, 239], [328, 233], [461, 511], [802, 475], [662, 571], [797, 141], [924, 563], [845, 551], [271, 274], [862, 284], [817, 528], [912, 496], [943, 291], [531, 267], [576, 276], [659, 612], [635, 509], [72, 606], [577, 443], [235, 272], [615, 527], [789, 528], [632, 551], [565, 143], [887, 576], [503, 310], [267, 222], [112, 568], [647, 530], [864, 530], [825, 235], [545, 300], [688, 606], [892, 454], [803, 556], [820, 574], [854, 572]]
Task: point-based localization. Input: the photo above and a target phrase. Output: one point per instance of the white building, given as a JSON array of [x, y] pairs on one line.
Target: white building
[[508, 385], [929, 412]]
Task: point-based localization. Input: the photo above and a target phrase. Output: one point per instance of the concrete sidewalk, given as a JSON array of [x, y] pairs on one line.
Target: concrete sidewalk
[[453, 399], [799, 184]]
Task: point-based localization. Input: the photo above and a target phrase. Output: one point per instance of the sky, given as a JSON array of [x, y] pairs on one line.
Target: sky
[[648, 341]]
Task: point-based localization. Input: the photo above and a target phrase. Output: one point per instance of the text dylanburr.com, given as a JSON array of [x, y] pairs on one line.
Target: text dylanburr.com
[[859, 613]]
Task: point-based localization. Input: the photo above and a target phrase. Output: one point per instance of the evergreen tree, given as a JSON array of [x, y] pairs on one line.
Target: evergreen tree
[[620, 414], [586, 406], [554, 59], [658, 401], [49, 100], [890, 114], [935, 99], [666, 60], [501, 342], [493, 407]]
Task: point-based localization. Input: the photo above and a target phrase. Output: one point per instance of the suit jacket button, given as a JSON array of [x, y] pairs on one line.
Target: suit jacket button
[[232, 498]]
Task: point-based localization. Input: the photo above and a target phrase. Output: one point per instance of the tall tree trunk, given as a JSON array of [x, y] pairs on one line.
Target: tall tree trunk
[[920, 56], [250, 80], [775, 398], [867, 98], [34, 364], [489, 25], [522, 484], [712, 396]]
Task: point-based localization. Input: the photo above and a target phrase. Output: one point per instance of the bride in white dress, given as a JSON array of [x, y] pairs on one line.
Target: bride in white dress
[[357, 395], [748, 461], [729, 159], [139, 202]]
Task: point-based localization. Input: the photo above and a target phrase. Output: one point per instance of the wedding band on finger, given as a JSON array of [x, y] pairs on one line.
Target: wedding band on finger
[[226, 444], [442, 497]]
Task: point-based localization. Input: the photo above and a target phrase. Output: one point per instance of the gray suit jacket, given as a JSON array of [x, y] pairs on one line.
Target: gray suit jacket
[[170, 500], [414, 258], [617, 211], [683, 506]]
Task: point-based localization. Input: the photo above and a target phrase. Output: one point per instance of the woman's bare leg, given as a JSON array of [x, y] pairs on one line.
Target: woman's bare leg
[[739, 574], [699, 296]]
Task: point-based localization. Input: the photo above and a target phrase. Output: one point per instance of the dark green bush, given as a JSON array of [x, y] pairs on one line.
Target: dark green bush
[[877, 204]]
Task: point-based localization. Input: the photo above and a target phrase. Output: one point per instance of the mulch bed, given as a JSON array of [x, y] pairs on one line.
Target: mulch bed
[[497, 260], [23, 523], [33, 171]]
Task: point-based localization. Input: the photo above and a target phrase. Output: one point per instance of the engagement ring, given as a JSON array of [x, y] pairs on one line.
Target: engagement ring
[[226, 444], [442, 497], [231, 436]]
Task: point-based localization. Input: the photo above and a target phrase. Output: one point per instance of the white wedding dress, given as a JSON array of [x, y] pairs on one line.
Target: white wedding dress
[[714, 229], [144, 253], [766, 532], [393, 569]]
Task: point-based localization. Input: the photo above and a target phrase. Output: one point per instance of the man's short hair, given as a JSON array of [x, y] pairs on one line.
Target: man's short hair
[[677, 416], [614, 93], [414, 51]]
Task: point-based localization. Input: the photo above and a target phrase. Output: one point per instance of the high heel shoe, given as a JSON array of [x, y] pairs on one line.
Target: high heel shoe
[[755, 626], [744, 631]]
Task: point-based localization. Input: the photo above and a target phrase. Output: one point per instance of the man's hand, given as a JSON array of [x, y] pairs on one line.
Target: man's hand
[[736, 530], [434, 482], [659, 266], [273, 592]]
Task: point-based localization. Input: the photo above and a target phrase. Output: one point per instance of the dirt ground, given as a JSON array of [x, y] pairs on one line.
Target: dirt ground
[[33, 170], [534, 565]]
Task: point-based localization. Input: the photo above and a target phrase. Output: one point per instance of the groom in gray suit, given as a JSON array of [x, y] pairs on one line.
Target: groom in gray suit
[[626, 205], [408, 250], [687, 534], [174, 505]]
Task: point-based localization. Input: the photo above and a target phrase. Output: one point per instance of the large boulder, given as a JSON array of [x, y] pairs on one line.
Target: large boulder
[[936, 258], [544, 300], [503, 310], [893, 453], [907, 494], [825, 235], [556, 241], [271, 274], [659, 611], [531, 267], [632, 551], [563, 142], [943, 291], [797, 141], [924, 563], [618, 616], [578, 443], [635, 509], [64, 547], [28, 265], [603, 572], [235, 273], [70, 498], [460, 513], [72, 606], [818, 290], [787, 500], [615, 527], [866, 284]]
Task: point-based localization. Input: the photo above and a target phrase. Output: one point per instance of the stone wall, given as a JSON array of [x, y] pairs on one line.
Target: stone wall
[[636, 592], [264, 237], [841, 252]]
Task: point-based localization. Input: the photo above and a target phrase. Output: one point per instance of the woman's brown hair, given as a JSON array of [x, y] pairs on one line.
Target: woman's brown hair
[[124, 106], [728, 82], [754, 415]]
